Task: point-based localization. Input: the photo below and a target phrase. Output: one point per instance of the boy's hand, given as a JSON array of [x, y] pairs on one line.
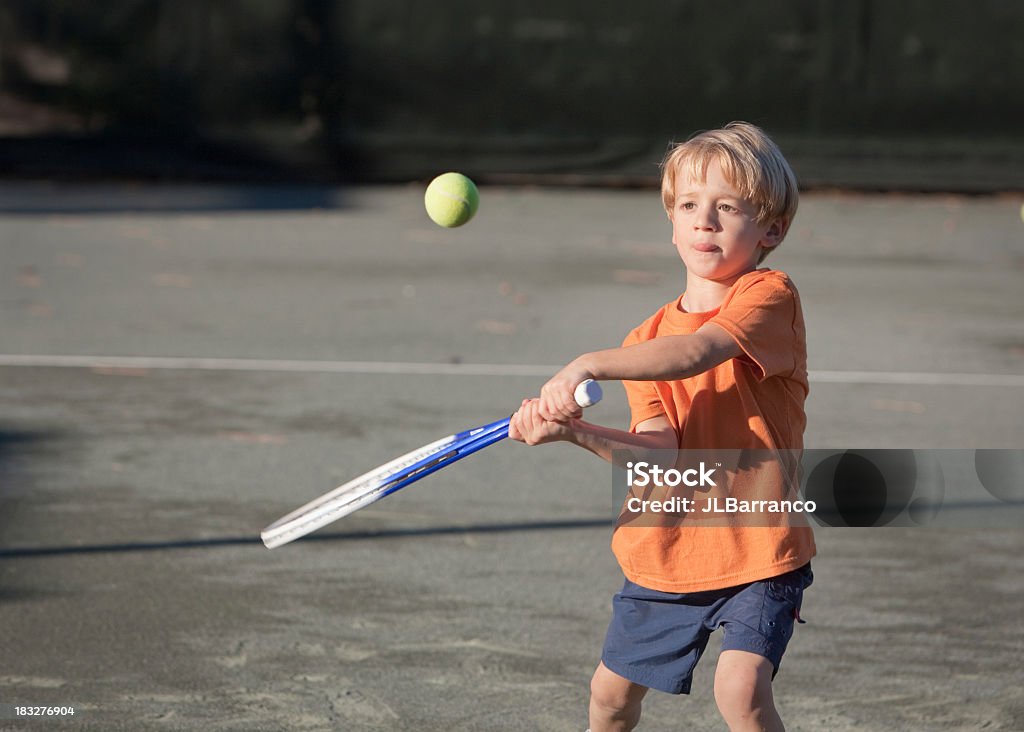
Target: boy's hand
[[558, 396], [528, 426]]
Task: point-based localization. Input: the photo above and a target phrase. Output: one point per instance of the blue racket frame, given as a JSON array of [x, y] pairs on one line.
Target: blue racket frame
[[463, 445]]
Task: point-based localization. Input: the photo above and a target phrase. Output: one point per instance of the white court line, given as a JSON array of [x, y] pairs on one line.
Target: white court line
[[915, 378], [282, 366], [457, 369]]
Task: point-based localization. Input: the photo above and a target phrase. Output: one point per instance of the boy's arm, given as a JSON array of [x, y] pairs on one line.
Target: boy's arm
[[666, 358], [653, 434]]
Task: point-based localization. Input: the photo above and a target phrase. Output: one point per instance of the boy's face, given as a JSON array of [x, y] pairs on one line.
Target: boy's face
[[714, 228]]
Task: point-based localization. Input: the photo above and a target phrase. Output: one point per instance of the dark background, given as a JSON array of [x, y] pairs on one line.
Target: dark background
[[919, 95]]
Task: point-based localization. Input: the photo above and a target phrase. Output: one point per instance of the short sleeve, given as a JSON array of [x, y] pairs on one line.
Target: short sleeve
[[762, 317]]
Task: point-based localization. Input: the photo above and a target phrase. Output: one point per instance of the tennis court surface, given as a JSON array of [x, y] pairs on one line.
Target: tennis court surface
[[181, 367]]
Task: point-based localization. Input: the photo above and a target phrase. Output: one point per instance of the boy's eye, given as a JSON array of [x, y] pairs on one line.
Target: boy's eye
[[727, 208], [688, 205]]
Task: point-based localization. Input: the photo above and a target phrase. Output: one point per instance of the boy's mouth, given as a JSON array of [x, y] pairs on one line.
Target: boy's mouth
[[704, 247]]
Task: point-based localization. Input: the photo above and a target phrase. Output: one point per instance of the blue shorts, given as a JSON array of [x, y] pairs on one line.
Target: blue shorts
[[656, 638]]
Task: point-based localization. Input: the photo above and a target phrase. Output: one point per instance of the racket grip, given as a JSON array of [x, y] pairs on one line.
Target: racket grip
[[588, 393]]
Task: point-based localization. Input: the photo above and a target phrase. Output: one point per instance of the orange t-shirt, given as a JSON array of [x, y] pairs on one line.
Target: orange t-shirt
[[755, 402]]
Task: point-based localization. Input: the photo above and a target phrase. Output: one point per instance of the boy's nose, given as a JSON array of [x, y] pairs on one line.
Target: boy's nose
[[705, 221]]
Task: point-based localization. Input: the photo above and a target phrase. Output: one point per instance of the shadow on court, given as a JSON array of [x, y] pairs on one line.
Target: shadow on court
[[234, 541]]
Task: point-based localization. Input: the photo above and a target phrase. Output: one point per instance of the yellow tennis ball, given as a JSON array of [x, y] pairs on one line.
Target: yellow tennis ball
[[451, 199]]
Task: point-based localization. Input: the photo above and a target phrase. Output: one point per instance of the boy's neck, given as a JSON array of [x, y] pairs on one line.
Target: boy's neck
[[702, 296]]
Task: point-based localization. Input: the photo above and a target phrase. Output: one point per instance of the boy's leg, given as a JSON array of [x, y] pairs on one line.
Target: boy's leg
[[614, 701], [759, 622], [743, 691]]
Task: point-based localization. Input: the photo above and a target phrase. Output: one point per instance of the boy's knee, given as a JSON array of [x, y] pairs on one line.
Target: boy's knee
[[616, 696], [609, 698], [743, 686], [736, 696]]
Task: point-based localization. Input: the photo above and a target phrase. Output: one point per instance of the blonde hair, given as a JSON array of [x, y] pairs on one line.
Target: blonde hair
[[750, 161]]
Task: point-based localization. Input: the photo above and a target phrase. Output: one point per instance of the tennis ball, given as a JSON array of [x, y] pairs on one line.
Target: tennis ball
[[451, 200]]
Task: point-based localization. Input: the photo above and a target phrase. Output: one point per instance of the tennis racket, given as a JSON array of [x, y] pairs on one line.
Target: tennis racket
[[397, 474]]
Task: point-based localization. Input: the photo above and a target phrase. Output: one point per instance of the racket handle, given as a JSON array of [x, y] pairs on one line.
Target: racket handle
[[588, 393]]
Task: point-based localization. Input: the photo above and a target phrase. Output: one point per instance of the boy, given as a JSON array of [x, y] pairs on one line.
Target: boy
[[723, 366]]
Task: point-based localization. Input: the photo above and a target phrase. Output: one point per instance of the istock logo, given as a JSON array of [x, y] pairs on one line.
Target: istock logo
[[642, 474]]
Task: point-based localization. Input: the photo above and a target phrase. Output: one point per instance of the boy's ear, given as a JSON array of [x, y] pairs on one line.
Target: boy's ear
[[775, 233]]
